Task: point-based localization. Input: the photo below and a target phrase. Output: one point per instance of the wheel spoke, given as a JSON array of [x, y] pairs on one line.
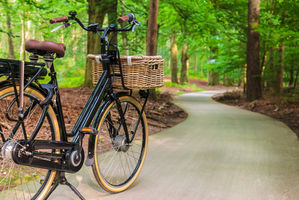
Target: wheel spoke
[[16, 181], [117, 161]]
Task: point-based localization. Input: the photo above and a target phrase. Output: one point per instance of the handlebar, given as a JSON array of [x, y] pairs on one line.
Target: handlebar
[[105, 42], [129, 18]]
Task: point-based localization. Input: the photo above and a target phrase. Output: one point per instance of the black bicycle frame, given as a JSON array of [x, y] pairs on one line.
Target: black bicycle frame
[[92, 105], [97, 103], [102, 89]]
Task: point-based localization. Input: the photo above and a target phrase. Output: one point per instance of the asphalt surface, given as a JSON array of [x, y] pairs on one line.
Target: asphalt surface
[[219, 152]]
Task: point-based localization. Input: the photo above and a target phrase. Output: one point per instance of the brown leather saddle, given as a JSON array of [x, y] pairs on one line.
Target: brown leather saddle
[[45, 47]]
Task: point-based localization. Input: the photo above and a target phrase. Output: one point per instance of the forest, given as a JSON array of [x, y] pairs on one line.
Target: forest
[[251, 44]]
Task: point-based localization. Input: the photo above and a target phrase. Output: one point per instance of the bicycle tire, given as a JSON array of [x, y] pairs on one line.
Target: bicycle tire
[[23, 182], [106, 146]]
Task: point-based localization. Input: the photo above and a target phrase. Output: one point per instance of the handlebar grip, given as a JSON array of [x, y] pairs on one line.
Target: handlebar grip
[[59, 19], [91, 56], [127, 18]]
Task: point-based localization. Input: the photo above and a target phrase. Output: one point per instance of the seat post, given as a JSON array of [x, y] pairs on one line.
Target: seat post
[[49, 58]]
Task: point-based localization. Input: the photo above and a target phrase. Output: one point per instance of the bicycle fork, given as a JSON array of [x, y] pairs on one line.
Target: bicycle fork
[[143, 94]]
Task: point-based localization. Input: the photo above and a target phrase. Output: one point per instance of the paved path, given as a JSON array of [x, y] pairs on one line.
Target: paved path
[[218, 153]]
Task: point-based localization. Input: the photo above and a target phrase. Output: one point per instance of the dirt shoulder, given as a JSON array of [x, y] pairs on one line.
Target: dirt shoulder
[[285, 111], [202, 84], [161, 112]]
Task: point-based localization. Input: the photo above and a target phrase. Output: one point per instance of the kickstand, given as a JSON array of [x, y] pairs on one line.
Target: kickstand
[[60, 179]]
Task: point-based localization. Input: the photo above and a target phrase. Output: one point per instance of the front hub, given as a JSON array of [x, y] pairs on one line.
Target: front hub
[[119, 143]]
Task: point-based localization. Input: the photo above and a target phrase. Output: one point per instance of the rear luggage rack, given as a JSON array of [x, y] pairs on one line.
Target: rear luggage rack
[[12, 68]]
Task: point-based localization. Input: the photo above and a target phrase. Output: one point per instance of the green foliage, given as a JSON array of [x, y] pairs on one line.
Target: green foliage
[[215, 31], [36, 15]]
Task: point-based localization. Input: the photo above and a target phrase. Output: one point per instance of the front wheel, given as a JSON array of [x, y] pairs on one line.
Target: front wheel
[[117, 162]]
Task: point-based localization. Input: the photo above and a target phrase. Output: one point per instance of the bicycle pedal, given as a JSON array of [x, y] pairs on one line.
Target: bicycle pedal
[[89, 131]]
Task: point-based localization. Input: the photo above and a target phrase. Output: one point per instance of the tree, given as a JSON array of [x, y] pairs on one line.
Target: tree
[[152, 33], [280, 69], [152, 29], [11, 54], [96, 12], [254, 89], [173, 59], [215, 31], [185, 64], [124, 35]]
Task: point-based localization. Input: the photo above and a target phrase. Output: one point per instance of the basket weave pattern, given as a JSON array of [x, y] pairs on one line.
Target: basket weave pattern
[[139, 72]]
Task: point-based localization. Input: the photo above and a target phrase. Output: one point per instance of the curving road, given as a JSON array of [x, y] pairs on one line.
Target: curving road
[[219, 152]]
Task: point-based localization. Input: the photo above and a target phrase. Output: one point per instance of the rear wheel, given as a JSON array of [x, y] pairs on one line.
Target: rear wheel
[[17, 181], [117, 163]]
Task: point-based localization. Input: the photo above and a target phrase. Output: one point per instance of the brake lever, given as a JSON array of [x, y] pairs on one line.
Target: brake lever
[[57, 28], [133, 28], [135, 23], [64, 25]]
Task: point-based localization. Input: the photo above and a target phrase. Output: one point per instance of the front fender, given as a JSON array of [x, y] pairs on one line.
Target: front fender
[[95, 124]]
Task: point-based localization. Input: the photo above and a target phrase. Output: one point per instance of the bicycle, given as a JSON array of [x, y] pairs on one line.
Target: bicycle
[[35, 148]]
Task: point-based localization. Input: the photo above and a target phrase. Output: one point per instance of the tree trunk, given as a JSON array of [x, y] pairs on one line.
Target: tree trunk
[[152, 29], [244, 82], [271, 80], [254, 89], [75, 36], [124, 35], [227, 79], [213, 78], [185, 64], [27, 32], [112, 15], [263, 62], [96, 14], [11, 54], [62, 36], [264, 56], [296, 79], [280, 67], [152, 34], [201, 66], [173, 59], [240, 80], [195, 65], [22, 48], [125, 43], [291, 81]]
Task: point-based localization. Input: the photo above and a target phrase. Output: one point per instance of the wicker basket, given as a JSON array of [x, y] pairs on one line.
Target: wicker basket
[[139, 72]]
